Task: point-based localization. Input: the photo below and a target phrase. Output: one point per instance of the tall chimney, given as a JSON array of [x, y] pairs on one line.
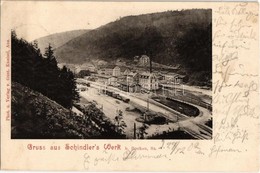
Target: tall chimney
[[150, 59], [134, 131]]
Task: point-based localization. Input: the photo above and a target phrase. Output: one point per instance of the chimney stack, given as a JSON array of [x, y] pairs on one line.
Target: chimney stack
[[150, 59]]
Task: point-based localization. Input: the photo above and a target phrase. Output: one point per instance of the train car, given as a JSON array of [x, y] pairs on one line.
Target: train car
[[126, 100], [109, 93], [119, 97], [83, 89], [115, 95]]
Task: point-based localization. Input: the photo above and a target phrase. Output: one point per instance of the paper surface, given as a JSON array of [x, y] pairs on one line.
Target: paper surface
[[235, 96]]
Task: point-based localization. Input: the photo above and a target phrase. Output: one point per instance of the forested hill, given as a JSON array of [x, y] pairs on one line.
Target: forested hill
[[43, 97], [58, 39], [41, 73], [172, 37]]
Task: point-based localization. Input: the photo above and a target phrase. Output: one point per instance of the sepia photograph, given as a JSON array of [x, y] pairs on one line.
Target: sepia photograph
[[129, 86], [133, 75]]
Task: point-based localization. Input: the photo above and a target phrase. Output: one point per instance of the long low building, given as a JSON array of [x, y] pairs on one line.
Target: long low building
[[129, 87], [121, 76]]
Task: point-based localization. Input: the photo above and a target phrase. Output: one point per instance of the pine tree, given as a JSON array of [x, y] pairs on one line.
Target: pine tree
[[36, 47], [68, 84], [24, 58], [51, 72], [49, 54], [40, 73]]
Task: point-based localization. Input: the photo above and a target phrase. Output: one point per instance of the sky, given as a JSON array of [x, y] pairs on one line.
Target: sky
[[33, 20]]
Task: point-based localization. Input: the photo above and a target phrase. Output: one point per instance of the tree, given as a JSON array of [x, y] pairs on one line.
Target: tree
[[36, 47], [49, 54], [67, 90], [83, 73], [51, 72], [24, 59], [120, 124], [40, 73], [142, 131]]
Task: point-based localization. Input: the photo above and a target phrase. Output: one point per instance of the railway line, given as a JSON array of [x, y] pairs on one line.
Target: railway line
[[192, 125]]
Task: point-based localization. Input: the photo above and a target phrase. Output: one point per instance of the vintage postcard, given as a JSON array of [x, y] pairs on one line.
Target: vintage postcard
[[129, 86]]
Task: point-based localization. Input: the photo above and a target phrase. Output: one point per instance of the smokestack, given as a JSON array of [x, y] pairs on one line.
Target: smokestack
[[150, 65], [134, 131]]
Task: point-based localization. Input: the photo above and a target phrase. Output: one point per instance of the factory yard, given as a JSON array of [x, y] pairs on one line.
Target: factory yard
[[183, 126]]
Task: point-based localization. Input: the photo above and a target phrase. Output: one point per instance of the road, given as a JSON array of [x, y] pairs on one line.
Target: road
[[191, 88], [192, 125], [110, 107]]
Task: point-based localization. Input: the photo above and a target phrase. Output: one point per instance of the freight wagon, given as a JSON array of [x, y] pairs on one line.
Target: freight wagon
[[116, 96], [126, 100], [109, 93]]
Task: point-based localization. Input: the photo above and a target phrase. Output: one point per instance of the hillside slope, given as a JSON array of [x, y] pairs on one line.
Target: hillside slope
[[172, 37], [35, 116], [58, 39]]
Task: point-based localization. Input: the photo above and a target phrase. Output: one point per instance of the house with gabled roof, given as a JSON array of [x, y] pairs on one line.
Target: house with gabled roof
[[116, 71], [129, 87], [144, 60], [127, 71], [148, 81]]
